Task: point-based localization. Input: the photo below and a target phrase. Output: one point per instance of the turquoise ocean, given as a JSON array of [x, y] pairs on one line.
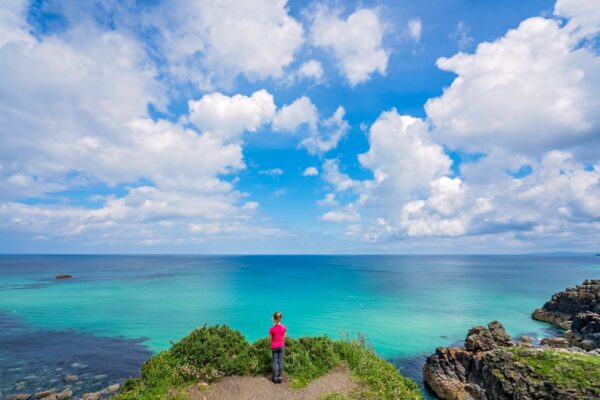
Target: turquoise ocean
[[118, 310]]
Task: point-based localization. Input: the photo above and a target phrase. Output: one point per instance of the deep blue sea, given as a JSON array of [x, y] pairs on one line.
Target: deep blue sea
[[118, 310]]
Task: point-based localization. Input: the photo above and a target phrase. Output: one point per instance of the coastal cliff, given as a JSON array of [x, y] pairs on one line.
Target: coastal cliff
[[216, 362], [576, 310], [493, 367]]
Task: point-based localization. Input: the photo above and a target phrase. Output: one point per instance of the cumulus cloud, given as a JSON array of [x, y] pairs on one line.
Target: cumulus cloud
[[230, 116], [339, 180], [583, 16], [311, 69], [291, 116], [329, 134], [310, 171], [356, 42], [532, 90], [214, 41], [402, 156]]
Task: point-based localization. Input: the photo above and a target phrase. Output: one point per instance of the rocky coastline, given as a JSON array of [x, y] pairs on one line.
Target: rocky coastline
[[577, 311], [491, 366], [66, 393]]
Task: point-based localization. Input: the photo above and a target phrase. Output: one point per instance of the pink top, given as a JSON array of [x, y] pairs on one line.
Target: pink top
[[277, 333]]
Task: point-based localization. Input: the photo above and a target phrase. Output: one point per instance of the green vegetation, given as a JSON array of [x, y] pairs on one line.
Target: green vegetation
[[570, 370], [211, 353]]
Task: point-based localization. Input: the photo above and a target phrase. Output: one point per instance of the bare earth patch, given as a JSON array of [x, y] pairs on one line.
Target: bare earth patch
[[337, 380]]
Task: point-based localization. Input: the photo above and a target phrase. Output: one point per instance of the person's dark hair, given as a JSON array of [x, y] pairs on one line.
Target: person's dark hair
[[277, 316]]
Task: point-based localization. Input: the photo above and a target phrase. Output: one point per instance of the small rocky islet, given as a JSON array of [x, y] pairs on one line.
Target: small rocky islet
[[493, 366]]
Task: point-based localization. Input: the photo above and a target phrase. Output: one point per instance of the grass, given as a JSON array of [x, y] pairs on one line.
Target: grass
[[569, 370], [213, 352]]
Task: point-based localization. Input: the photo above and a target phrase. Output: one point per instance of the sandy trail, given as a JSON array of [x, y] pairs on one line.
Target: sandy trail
[[261, 388]]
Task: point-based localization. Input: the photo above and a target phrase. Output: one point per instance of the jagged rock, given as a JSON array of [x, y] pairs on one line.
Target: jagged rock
[[65, 394], [45, 393], [555, 343], [577, 310], [525, 339], [446, 372], [585, 331], [19, 396], [112, 388], [565, 305], [495, 374], [501, 337], [92, 396], [479, 338], [71, 378]]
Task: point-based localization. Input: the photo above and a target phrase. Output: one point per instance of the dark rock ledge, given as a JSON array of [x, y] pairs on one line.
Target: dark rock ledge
[[576, 310]]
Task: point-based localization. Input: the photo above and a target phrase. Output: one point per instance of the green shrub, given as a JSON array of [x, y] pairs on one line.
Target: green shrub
[[210, 353], [380, 379]]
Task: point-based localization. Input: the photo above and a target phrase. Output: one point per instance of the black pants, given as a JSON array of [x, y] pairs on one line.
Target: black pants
[[277, 362]]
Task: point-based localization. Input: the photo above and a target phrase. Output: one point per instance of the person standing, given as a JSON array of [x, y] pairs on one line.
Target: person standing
[[277, 335]]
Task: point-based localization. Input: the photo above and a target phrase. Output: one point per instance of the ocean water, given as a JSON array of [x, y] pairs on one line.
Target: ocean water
[[118, 310]]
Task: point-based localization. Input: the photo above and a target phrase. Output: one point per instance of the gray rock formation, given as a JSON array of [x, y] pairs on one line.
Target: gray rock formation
[[489, 369], [577, 310]]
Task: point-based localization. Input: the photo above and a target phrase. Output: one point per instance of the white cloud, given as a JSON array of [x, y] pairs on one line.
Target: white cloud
[[339, 180], [461, 36], [402, 156], [415, 28], [583, 15], [228, 117], [311, 69], [12, 21], [69, 119], [291, 116], [328, 201], [310, 171], [530, 91], [356, 42], [271, 172], [329, 134], [348, 215], [213, 41]]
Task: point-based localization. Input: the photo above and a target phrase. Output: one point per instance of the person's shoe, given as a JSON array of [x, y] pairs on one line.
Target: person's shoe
[[275, 380], [279, 380]]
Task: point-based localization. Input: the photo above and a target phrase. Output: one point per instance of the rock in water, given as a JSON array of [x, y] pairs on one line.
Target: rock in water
[[576, 310], [63, 276], [65, 394], [565, 305], [71, 378], [45, 393], [555, 343]]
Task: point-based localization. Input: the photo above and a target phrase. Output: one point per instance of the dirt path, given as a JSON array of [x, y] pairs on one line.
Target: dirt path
[[261, 388]]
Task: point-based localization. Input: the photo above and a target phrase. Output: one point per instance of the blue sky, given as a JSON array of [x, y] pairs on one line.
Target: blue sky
[[268, 126]]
